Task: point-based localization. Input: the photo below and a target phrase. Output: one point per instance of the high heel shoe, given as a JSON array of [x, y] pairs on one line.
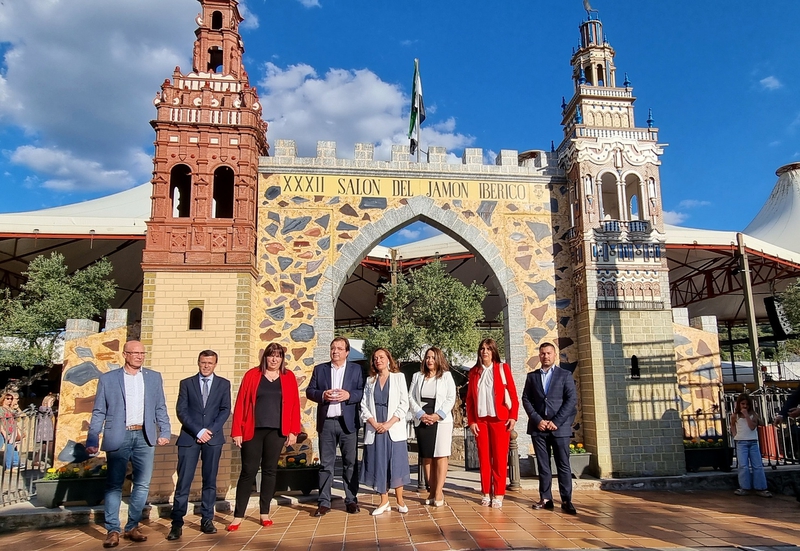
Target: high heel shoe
[[438, 503], [266, 523], [380, 510], [429, 501], [402, 509], [233, 527], [486, 501]]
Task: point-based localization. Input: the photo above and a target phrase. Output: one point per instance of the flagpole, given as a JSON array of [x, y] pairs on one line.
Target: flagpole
[[416, 99]]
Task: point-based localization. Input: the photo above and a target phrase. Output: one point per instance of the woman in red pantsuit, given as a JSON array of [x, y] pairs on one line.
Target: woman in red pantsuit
[[492, 408]]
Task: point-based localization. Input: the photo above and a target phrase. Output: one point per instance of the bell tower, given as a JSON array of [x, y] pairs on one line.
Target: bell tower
[[199, 260], [627, 366], [209, 136]]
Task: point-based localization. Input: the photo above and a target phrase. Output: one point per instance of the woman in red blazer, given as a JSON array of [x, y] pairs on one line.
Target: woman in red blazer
[[492, 408], [265, 419]]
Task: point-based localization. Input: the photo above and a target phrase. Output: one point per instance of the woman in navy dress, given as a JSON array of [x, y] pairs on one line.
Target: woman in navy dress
[[383, 411]]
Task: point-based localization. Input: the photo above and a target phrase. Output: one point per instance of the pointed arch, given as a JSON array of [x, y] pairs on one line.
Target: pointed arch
[[447, 221]]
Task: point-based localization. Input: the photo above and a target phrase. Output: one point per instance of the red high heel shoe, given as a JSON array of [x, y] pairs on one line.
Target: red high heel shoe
[[266, 523], [233, 527]]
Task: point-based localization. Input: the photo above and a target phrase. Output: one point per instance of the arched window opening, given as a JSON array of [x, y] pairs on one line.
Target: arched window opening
[[180, 191], [609, 200], [222, 206], [216, 20], [600, 75], [633, 191], [196, 319], [215, 60]]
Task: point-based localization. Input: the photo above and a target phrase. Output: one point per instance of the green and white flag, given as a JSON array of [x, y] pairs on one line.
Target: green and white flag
[[417, 106]]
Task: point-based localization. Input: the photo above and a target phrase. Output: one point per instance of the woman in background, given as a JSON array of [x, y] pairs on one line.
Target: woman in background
[[432, 396], [383, 410], [744, 428], [266, 417], [492, 409], [9, 432], [45, 433]]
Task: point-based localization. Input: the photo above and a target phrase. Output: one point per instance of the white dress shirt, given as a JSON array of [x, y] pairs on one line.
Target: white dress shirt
[[486, 393]]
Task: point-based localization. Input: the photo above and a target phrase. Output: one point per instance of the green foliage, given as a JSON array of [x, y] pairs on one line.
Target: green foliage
[[32, 321], [429, 307]]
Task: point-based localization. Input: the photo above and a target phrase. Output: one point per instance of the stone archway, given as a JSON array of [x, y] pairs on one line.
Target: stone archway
[[424, 209]]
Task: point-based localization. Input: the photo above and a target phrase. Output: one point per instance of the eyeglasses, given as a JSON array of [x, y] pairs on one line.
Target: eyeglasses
[[134, 353]]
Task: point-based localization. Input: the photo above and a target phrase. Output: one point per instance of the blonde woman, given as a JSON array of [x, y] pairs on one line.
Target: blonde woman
[[432, 396], [383, 411]]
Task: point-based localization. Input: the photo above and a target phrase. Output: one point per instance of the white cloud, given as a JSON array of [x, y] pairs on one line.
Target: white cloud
[[80, 78], [69, 173], [250, 19], [770, 83], [406, 233], [693, 204], [674, 218], [346, 106], [310, 3]]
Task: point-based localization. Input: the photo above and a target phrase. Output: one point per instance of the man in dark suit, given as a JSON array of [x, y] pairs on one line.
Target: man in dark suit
[[337, 386], [131, 412], [550, 400], [204, 404]]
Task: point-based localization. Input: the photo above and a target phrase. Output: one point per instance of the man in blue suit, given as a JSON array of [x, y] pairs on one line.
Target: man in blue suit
[[204, 404], [131, 412], [551, 401], [337, 386]]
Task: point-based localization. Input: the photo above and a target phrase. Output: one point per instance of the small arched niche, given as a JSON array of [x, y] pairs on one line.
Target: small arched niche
[[195, 315], [180, 191], [215, 60]]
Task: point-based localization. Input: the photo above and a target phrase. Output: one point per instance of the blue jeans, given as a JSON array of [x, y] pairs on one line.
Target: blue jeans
[[136, 450], [11, 454], [749, 456]]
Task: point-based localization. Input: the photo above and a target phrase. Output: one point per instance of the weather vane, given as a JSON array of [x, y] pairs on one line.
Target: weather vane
[[588, 7]]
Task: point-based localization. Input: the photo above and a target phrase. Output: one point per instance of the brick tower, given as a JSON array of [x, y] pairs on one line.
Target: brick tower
[[199, 260], [626, 372]]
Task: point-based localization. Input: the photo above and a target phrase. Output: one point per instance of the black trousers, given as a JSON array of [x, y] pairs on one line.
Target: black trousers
[[543, 443], [262, 451], [187, 463]]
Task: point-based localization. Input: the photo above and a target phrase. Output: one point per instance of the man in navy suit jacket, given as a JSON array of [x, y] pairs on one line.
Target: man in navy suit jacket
[[131, 412], [204, 404], [551, 401], [337, 386]]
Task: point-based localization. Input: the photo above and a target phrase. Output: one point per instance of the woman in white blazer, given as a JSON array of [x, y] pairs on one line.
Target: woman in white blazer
[[383, 410], [432, 397]]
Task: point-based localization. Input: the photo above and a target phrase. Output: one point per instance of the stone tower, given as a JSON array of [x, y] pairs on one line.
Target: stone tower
[[199, 260], [627, 362]]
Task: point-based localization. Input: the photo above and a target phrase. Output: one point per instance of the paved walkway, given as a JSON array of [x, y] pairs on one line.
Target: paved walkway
[[605, 520]]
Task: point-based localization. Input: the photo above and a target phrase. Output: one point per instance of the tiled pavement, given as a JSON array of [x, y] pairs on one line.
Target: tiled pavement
[[655, 520]]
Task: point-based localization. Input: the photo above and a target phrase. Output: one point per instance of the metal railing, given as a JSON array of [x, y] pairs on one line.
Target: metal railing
[[23, 460]]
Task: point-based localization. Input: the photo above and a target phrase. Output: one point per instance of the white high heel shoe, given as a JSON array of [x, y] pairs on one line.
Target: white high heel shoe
[[380, 510], [402, 509]]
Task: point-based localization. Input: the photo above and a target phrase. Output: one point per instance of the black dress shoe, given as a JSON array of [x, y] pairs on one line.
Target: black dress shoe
[[568, 508], [543, 504], [353, 508], [175, 533], [207, 527], [322, 510]]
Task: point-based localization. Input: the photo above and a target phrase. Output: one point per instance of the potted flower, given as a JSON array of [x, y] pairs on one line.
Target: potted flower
[[579, 459], [73, 482], [707, 452], [297, 474]]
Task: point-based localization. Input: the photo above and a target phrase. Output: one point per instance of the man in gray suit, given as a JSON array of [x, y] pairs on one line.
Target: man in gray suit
[[550, 400], [131, 412]]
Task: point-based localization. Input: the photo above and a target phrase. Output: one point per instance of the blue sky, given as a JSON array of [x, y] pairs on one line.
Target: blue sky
[[78, 77]]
